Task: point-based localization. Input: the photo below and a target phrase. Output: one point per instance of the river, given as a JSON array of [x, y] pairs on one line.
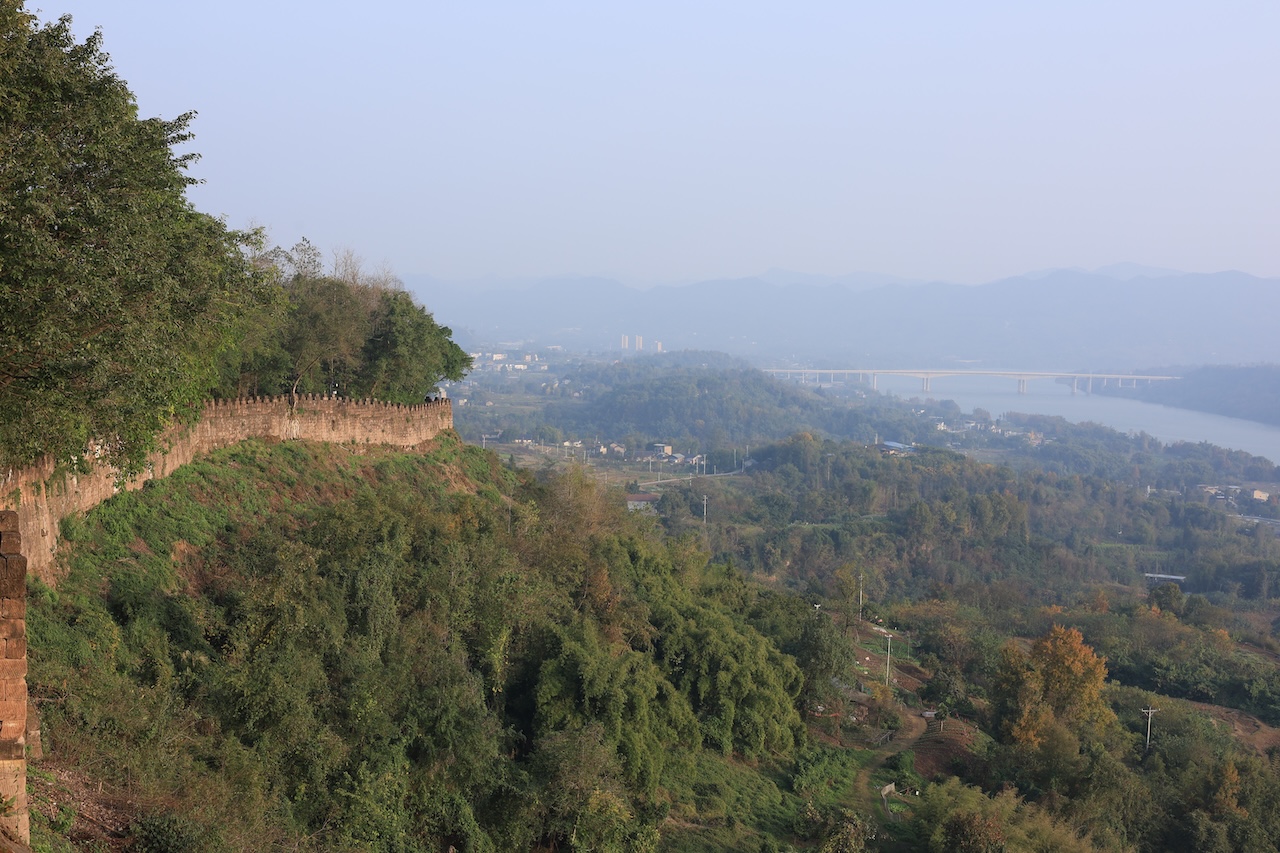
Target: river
[[1045, 397]]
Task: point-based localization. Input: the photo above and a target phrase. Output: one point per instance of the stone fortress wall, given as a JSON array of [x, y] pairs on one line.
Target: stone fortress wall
[[43, 496], [33, 502]]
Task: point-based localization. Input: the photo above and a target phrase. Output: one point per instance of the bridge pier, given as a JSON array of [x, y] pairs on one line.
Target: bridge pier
[[1022, 385], [924, 382]]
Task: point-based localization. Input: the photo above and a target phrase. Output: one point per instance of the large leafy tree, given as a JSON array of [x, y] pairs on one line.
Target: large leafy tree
[[1060, 681], [115, 293], [407, 353], [345, 332]]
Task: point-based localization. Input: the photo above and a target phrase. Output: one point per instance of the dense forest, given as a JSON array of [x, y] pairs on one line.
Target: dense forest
[[291, 647], [343, 331]]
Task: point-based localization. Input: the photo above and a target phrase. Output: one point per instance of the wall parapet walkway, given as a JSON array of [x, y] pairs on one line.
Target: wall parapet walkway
[[35, 500]]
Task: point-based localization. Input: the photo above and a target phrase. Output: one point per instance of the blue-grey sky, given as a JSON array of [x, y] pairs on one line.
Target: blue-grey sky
[[677, 140]]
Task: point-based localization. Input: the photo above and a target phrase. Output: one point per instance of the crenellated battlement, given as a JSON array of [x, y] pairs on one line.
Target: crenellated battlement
[[43, 496], [339, 403]]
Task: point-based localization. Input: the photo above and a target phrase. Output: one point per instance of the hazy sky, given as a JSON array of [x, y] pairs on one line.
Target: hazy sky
[[660, 140]]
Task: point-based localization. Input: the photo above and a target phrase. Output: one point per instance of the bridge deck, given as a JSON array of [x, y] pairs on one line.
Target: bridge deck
[[927, 374]]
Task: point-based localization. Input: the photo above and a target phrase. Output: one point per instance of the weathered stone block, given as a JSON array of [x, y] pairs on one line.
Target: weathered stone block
[[13, 608], [15, 648], [13, 785], [35, 743], [14, 564], [13, 576], [10, 711], [10, 542], [10, 628], [13, 689], [8, 521], [13, 668]]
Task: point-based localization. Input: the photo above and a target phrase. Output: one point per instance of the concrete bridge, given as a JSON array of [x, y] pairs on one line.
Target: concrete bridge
[[926, 375]]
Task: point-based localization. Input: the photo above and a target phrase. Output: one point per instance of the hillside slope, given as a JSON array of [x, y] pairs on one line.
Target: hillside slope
[[294, 646]]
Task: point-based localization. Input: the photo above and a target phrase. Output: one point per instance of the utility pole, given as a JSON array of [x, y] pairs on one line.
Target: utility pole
[[704, 510], [1150, 712], [888, 661]]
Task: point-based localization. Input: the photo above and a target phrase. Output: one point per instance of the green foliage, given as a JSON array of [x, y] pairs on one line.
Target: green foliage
[[169, 833], [700, 401], [951, 816], [741, 688], [822, 773], [903, 765], [406, 354], [720, 803], [118, 295], [355, 335], [371, 661]]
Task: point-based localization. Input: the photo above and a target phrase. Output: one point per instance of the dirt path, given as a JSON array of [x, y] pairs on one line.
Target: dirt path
[[913, 726]]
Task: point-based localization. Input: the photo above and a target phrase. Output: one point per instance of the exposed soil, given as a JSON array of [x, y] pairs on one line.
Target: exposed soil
[[938, 752], [1246, 728], [96, 814]]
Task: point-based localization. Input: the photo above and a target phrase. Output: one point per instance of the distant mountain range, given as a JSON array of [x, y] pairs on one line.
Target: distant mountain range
[[1116, 318]]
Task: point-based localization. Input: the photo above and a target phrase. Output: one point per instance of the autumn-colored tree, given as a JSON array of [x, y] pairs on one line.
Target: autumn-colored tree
[[1060, 681], [1226, 799], [1073, 676]]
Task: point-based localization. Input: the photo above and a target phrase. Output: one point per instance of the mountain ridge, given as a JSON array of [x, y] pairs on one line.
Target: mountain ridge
[[1064, 319]]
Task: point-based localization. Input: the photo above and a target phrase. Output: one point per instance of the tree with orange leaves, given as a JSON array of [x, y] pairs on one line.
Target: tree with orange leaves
[[1059, 682]]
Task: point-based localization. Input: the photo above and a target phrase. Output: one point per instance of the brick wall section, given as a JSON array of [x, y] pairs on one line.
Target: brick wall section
[[43, 499], [34, 501], [13, 678]]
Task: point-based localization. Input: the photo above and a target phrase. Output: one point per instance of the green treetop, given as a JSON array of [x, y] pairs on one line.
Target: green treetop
[[115, 294]]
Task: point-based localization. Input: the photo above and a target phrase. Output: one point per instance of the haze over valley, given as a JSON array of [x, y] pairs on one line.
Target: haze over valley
[[1067, 320]]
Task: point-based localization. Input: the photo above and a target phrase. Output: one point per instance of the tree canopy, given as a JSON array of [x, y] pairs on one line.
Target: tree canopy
[[117, 294], [345, 332]]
